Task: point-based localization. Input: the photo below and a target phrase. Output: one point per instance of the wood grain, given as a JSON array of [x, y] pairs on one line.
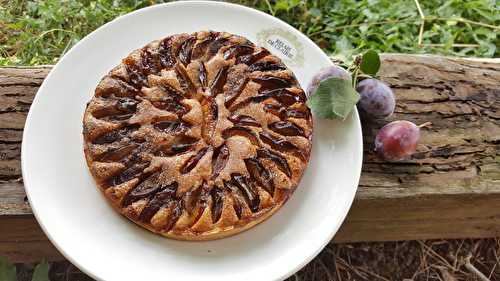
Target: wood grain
[[449, 189]]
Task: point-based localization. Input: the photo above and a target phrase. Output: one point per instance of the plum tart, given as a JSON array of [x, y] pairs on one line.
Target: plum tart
[[198, 136]]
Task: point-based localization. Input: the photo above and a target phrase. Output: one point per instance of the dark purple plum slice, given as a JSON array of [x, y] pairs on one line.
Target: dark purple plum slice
[[200, 48], [129, 173], [286, 128], [115, 135], [281, 144], [202, 75], [281, 95], [248, 190], [234, 93], [219, 81], [271, 83], [217, 203], [277, 159], [144, 189], [241, 131], [266, 66], [215, 45], [185, 81], [163, 197], [180, 145], [186, 49], [116, 154], [236, 195], [260, 174], [193, 161], [172, 127], [219, 160], [238, 50], [167, 59], [243, 120], [252, 58]]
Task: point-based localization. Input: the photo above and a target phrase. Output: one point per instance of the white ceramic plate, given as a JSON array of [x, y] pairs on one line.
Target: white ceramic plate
[[105, 245]]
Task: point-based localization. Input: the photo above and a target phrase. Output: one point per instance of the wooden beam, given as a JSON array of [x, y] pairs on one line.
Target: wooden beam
[[424, 217], [22, 240], [449, 189]]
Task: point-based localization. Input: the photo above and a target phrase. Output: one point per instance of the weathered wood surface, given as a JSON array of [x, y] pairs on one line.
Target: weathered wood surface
[[449, 189]]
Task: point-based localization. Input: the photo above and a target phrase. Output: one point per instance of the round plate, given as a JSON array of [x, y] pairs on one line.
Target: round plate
[[78, 220]]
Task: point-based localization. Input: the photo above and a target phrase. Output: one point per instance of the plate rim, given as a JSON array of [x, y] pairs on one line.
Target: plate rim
[[290, 271]]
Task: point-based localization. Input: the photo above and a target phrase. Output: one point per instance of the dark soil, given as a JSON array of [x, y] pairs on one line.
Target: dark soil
[[443, 260]]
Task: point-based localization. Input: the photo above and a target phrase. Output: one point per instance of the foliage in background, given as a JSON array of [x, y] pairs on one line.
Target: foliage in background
[[8, 271], [345, 27], [38, 32]]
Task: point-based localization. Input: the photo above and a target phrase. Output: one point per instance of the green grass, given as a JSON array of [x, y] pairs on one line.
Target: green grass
[[39, 32]]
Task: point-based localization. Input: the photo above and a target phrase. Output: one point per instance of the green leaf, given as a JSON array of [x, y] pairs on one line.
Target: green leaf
[[286, 4], [294, 3], [7, 270], [334, 98], [315, 12], [281, 5], [41, 272], [370, 62]]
